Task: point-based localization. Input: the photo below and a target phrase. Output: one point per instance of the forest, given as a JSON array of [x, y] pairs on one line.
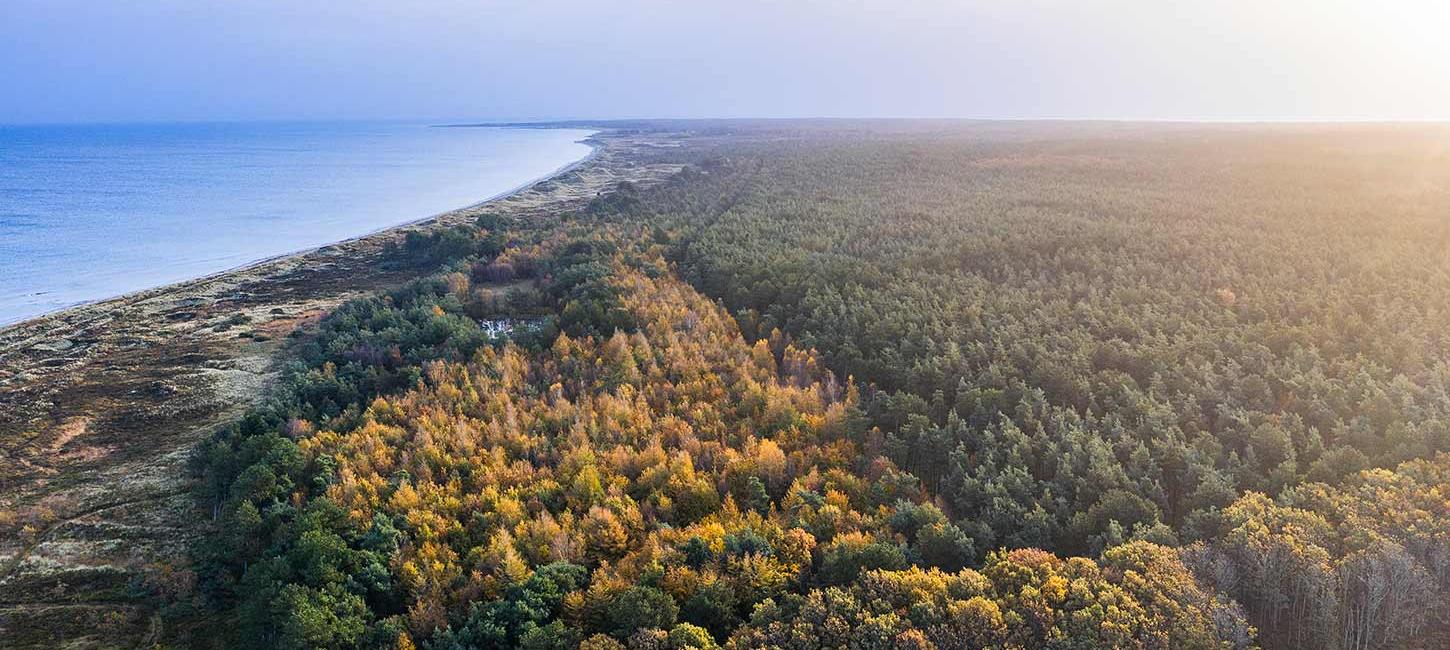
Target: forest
[[928, 387]]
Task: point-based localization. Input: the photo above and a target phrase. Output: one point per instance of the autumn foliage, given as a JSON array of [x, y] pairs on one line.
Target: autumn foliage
[[1024, 460]]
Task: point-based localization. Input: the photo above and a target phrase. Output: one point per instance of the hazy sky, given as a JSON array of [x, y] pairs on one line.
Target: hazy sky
[[128, 60]]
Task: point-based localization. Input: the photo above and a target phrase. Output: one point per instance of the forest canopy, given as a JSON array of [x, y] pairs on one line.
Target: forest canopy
[[919, 389]]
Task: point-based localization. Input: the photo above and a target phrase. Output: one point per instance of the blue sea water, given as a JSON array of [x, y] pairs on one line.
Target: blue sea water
[[93, 211]]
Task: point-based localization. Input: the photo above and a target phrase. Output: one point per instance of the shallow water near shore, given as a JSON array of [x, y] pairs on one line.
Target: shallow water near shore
[[93, 211]]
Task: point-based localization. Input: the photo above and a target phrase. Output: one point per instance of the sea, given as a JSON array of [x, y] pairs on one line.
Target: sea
[[88, 212]]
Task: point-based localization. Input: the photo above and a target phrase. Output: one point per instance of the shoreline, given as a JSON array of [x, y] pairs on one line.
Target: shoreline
[[591, 140], [102, 403]]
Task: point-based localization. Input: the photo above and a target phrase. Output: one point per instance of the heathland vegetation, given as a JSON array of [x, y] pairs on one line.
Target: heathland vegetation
[[934, 387]]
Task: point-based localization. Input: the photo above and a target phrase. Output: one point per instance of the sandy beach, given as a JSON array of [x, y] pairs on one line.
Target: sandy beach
[[101, 403]]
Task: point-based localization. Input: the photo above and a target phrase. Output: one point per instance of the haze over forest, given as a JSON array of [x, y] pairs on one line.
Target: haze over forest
[[1153, 354]]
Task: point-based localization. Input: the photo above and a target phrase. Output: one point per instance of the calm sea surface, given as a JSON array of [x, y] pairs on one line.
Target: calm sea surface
[[93, 211]]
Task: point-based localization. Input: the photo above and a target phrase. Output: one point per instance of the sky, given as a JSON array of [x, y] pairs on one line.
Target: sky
[[477, 60]]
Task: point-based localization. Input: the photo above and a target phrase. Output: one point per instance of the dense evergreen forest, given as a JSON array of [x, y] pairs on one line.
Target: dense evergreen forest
[[875, 386]]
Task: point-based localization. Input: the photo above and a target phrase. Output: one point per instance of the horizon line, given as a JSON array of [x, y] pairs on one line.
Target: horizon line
[[476, 122]]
